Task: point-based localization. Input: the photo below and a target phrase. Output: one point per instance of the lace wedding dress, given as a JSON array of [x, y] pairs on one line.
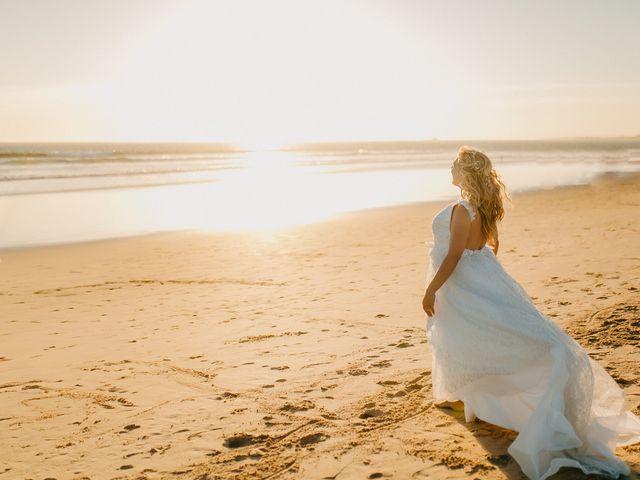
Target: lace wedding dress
[[513, 367]]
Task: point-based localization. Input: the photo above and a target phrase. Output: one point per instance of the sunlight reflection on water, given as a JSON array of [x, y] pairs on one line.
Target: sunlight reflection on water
[[268, 193]]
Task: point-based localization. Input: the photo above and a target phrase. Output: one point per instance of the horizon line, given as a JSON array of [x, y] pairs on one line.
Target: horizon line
[[327, 141]]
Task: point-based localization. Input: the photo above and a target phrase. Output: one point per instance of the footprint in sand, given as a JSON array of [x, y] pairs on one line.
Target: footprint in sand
[[298, 407], [240, 458], [500, 460], [29, 387], [387, 382], [614, 326], [312, 439], [226, 395], [328, 387], [413, 387], [161, 449], [558, 281], [128, 428], [382, 364], [282, 367], [243, 440], [372, 413]]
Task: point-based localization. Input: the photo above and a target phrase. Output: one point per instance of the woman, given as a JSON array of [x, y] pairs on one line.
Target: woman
[[500, 359]]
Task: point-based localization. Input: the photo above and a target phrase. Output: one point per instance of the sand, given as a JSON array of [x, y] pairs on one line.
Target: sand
[[295, 353]]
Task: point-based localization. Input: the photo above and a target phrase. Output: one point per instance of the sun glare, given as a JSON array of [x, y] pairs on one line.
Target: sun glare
[[260, 145]]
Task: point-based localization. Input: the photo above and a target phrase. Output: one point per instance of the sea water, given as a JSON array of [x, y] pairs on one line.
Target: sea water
[[59, 193]]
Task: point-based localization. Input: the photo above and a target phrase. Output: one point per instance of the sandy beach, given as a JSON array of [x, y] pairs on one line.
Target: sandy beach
[[297, 353]]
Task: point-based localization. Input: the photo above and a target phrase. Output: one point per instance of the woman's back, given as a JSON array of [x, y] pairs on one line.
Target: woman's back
[[476, 239]]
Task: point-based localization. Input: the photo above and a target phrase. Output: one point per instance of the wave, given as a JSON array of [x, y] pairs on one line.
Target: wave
[[84, 164]]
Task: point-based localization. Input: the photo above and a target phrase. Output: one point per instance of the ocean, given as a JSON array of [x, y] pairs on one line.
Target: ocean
[[67, 192]]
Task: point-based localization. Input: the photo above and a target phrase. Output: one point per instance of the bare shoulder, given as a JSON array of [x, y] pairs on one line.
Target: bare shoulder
[[460, 214], [470, 209]]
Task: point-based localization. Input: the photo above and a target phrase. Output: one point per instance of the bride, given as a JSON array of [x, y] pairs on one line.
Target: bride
[[499, 359]]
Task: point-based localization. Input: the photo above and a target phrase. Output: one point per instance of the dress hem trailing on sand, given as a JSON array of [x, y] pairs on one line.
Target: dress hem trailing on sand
[[513, 367]]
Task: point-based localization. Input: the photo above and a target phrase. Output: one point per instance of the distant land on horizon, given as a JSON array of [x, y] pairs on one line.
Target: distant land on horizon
[[200, 146]]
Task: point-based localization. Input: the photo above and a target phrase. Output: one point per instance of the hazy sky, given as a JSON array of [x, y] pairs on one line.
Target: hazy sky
[[263, 73]]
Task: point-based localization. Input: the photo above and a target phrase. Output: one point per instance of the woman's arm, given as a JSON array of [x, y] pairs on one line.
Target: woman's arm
[[460, 228]]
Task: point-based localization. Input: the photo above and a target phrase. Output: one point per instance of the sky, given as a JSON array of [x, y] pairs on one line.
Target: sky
[[268, 73]]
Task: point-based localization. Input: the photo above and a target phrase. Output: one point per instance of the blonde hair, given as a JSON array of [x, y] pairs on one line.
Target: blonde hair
[[481, 186]]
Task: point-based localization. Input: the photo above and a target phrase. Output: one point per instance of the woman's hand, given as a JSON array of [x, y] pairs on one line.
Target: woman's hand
[[428, 302]]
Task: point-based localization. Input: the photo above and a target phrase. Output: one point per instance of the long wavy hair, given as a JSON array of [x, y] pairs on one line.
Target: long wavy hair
[[483, 188]]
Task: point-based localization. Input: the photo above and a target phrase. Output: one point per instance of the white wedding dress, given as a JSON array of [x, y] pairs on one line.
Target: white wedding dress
[[513, 367]]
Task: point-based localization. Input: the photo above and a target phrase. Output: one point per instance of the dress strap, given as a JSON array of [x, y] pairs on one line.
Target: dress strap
[[470, 210]]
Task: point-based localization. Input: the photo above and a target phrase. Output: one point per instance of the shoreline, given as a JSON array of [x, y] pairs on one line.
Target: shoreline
[[608, 176]]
